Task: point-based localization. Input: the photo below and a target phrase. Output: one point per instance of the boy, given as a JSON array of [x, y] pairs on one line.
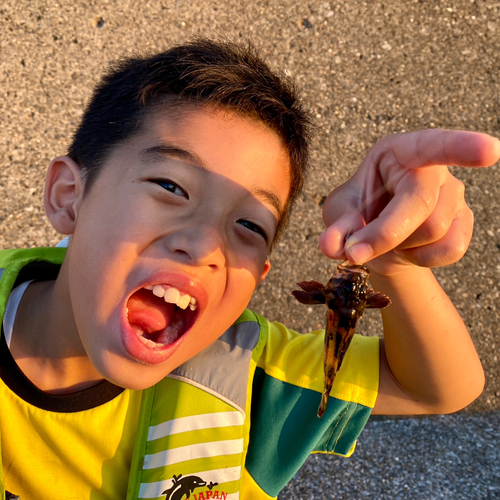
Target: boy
[[176, 185]]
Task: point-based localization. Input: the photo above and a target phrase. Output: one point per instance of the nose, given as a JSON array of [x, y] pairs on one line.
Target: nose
[[199, 245]]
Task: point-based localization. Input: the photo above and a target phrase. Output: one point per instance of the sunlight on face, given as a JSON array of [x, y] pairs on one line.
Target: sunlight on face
[[190, 203]]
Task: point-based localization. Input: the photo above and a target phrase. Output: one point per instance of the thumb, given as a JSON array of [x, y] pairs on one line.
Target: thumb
[[332, 240]]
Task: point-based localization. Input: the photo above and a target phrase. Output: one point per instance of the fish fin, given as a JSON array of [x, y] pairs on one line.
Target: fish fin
[[376, 300], [312, 286], [322, 405], [313, 293], [308, 298]]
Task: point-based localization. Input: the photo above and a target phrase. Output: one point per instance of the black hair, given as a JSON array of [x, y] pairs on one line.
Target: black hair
[[203, 72]]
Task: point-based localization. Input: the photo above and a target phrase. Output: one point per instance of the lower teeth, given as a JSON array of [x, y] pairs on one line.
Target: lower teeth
[[167, 337], [147, 342]]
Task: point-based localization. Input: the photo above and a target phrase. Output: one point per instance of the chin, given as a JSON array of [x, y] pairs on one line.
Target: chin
[[132, 374]]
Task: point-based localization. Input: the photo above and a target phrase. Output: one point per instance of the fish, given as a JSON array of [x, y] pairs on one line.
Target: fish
[[346, 296]]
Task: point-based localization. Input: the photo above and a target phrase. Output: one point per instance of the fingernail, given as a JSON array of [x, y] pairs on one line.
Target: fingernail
[[359, 252]]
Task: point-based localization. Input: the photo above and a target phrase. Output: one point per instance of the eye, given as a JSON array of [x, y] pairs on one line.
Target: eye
[[253, 227], [349, 286], [171, 186]]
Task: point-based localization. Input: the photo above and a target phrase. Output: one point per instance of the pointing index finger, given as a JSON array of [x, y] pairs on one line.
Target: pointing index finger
[[438, 147], [414, 194]]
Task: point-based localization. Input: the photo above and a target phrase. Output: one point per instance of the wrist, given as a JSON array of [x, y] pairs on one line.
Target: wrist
[[391, 265], [392, 276]]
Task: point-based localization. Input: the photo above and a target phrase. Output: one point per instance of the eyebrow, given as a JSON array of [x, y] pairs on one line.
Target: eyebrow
[[162, 151], [165, 150], [270, 197]]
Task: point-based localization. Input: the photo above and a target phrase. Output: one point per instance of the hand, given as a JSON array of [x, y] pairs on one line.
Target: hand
[[403, 207]]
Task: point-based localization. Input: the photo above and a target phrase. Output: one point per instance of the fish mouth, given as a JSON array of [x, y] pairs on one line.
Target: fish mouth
[[347, 264], [160, 314]]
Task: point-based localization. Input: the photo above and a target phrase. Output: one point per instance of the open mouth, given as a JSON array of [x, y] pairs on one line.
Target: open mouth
[[160, 314]]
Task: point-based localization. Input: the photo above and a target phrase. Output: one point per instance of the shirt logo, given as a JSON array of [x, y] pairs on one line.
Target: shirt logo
[[184, 486]]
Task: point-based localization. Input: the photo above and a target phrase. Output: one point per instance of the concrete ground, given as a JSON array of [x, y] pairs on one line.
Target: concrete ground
[[366, 69]]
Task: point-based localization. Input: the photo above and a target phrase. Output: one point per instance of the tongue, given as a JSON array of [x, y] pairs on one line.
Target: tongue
[[149, 312]]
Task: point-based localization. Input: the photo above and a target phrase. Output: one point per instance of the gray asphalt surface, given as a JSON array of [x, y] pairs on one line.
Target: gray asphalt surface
[[447, 457], [367, 69]]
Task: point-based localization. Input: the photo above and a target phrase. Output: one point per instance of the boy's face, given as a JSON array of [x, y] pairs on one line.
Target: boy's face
[[188, 205]]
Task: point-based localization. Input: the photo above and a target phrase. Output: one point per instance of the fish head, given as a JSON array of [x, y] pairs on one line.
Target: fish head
[[347, 290]]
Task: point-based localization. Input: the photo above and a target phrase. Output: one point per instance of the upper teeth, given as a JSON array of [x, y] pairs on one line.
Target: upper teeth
[[173, 296]]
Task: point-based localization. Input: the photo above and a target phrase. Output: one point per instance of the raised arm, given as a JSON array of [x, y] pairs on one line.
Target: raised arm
[[401, 213]]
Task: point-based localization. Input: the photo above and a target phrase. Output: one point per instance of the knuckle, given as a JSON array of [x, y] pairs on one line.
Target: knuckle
[[425, 197], [387, 236], [382, 142], [425, 201], [460, 187], [454, 250], [468, 215], [435, 227], [471, 215], [457, 251]]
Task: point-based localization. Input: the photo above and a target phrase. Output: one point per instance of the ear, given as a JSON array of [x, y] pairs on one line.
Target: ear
[[63, 193], [267, 268]]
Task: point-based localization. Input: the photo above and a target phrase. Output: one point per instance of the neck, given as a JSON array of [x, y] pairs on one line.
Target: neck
[[45, 341]]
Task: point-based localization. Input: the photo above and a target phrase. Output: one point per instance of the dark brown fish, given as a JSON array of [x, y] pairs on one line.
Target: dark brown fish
[[346, 295]]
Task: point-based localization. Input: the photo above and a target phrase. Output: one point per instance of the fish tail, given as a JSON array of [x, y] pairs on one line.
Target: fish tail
[[322, 405]]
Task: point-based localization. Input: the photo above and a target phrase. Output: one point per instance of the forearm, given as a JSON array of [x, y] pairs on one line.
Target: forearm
[[404, 209], [427, 349]]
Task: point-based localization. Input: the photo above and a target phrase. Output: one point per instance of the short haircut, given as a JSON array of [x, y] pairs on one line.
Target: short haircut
[[204, 72]]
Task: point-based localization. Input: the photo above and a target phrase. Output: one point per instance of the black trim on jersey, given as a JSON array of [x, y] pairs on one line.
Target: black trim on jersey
[[20, 385], [39, 270]]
